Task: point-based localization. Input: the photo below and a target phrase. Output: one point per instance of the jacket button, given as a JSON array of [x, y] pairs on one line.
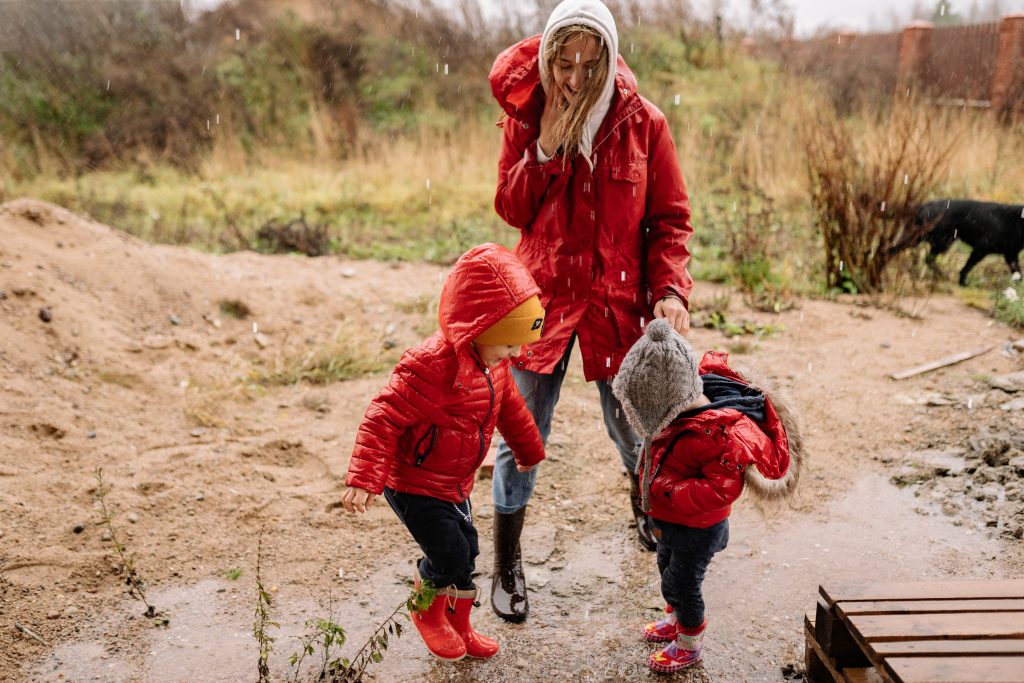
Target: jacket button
[[724, 461], [707, 431], [526, 125]]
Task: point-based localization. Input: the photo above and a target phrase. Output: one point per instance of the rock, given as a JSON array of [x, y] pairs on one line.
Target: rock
[[1012, 382], [200, 496], [53, 614], [198, 431], [1015, 404], [106, 535], [262, 340], [997, 457], [45, 315], [174, 320], [90, 435], [348, 272], [132, 517], [78, 528]]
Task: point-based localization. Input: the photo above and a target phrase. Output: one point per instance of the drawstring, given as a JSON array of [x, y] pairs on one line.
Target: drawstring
[[647, 461], [468, 514], [451, 597]]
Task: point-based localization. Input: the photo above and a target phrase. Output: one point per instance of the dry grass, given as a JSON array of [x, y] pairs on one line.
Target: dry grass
[[350, 353]]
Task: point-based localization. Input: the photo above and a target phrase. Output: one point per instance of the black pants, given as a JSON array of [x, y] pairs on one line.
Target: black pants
[[448, 540], [683, 556]]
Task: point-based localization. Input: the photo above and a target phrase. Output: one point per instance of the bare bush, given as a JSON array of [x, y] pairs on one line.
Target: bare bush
[[867, 184]]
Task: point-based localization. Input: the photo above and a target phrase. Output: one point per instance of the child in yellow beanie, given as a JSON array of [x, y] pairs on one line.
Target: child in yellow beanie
[[424, 436]]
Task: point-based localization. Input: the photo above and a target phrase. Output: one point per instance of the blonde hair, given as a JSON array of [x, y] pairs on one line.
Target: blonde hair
[[570, 125]]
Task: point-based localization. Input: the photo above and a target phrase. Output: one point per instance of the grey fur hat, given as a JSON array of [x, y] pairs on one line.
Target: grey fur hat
[[657, 380]]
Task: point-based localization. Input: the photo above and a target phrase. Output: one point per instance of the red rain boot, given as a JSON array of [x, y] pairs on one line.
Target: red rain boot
[[438, 635], [663, 630], [477, 645], [684, 651]]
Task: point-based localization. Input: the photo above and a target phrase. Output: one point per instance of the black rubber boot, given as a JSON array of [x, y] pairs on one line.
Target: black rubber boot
[[508, 585], [644, 532]]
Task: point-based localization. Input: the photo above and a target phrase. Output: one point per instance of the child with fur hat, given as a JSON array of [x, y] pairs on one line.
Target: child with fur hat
[[424, 436], [707, 431]]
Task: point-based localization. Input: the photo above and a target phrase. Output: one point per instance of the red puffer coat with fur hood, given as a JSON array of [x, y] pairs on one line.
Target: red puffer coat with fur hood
[[703, 460], [428, 431]]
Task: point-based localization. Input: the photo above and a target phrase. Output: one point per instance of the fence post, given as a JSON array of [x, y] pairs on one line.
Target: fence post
[[915, 45], [1009, 60]]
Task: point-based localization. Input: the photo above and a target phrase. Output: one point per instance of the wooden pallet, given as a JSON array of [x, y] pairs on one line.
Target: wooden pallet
[[918, 632]]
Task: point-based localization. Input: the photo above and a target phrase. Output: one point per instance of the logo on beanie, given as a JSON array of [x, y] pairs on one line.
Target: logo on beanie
[[537, 324]]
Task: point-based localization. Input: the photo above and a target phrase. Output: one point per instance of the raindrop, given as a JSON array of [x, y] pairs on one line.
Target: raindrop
[[108, 85], [561, 317], [238, 34], [445, 69], [606, 311], [913, 333], [970, 404], [616, 413], [955, 232], [1022, 213], [623, 276], [631, 48], [809, 366], [577, 57], [218, 119], [428, 183], [207, 124], [677, 100], [906, 179], [634, 190], [883, 207], [607, 361], [437, 67], [255, 328], [734, 205], [840, 265], [642, 321], [942, 10]]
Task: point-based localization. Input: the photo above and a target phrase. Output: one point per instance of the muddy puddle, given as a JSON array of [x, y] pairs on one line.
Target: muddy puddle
[[593, 590]]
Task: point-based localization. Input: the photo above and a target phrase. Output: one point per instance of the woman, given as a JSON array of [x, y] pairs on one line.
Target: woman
[[588, 173]]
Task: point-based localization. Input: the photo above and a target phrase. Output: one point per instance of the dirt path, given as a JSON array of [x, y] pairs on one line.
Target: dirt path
[[109, 379]]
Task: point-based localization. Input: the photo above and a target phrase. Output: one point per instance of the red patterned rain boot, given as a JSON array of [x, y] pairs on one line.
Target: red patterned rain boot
[[663, 630], [477, 645], [438, 635], [682, 652]]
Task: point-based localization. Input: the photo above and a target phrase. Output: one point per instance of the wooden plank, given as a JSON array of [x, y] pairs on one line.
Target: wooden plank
[[956, 669], [868, 675], [925, 590], [965, 648], [833, 636], [941, 363], [889, 627], [818, 668], [926, 606]]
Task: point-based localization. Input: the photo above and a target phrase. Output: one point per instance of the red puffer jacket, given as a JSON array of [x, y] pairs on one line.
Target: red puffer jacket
[[699, 461], [428, 431], [603, 245]]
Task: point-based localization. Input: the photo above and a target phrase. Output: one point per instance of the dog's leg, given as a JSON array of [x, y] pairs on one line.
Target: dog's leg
[[972, 261], [1011, 261]]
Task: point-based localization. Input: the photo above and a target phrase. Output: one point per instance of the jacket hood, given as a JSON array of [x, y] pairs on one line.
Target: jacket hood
[[516, 82], [770, 478], [485, 284]]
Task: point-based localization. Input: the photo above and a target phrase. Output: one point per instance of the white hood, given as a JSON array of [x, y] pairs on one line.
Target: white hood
[[594, 14]]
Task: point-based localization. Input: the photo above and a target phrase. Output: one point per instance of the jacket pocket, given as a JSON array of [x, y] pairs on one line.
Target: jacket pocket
[[425, 445], [632, 171]]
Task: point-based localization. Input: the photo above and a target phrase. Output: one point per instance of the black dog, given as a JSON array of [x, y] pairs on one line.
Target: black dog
[[986, 227]]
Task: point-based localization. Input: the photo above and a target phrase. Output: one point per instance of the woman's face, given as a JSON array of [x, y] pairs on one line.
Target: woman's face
[[574, 64]]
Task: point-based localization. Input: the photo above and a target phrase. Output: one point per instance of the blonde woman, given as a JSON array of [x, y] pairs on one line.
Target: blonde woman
[[589, 174]]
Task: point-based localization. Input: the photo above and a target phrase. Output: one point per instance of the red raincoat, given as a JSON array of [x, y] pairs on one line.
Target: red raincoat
[[697, 481], [603, 245], [428, 431]]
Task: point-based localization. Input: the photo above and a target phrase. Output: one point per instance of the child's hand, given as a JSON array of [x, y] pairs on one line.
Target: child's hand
[[524, 468], [356, 499]]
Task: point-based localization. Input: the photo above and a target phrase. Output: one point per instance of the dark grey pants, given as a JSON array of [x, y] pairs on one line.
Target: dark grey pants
[[683, 556]]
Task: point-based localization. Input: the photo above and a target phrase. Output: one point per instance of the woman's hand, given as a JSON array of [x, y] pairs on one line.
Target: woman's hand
[[554, 105], [523, 469], [672, 310], [357, 499]]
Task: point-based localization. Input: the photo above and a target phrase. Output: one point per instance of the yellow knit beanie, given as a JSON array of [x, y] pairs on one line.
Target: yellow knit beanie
[[522, 325]]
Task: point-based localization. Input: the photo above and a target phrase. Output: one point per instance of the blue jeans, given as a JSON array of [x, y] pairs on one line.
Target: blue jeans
[[512, 489], [683, 556]]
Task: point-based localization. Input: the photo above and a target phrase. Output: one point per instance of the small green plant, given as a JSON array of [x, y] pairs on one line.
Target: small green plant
[[1009, 305], [263, 621], [233, 574], [735, 328], [234, 308], [136, 585]]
